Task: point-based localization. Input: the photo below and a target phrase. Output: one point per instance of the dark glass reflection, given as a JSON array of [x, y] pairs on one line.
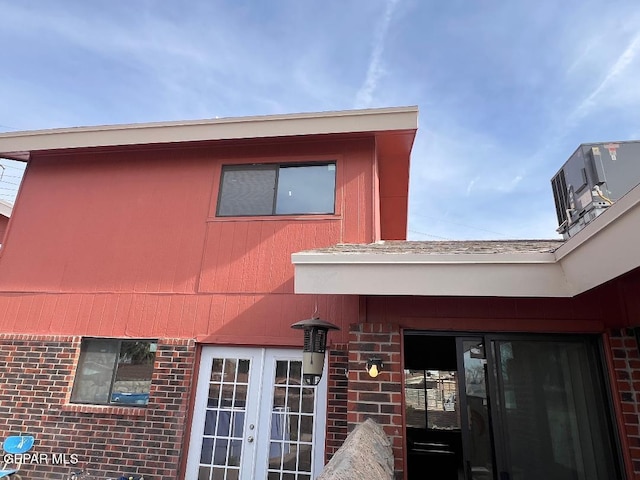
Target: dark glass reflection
[[306, 189]]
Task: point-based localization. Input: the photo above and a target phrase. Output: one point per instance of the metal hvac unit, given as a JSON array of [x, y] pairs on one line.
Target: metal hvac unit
[[593, 178]]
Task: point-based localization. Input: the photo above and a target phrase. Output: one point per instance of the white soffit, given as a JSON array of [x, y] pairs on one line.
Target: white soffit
[[19, 144], [6, 208], [605, 249]]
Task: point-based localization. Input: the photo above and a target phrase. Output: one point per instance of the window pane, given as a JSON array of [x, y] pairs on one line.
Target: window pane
[[133, 374], [95, 371], [247, 191], [306, 189]]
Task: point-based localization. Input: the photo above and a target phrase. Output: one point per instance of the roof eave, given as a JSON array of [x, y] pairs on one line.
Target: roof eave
[[604, 250], [18, 145], [485, 279]]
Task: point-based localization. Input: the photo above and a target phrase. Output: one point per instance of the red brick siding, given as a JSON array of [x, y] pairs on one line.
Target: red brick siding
[[626, 371], [336, 400], [377, 398], [35, 384]]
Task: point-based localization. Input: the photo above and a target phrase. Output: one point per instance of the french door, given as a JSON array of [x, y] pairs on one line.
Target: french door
[[534, 407], [254, 418]]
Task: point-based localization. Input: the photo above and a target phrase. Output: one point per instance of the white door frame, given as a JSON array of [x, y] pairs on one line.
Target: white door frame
[[258, 408]]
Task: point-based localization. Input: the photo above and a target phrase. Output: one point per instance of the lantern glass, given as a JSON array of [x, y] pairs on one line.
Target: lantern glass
[[315, 345]]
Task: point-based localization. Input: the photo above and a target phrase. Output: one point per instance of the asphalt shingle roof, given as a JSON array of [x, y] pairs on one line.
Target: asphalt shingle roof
[[446, 247]]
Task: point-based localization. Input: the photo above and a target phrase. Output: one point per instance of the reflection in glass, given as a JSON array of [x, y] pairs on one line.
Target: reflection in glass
[[279, 397], [308, 400], [224, 419], [431, 398], [306, 189], [229, 374], [551, 411], [216, 369], [290, 449], [304, 459], [214, 395], [203, 473], [210, 422], [479, 454]]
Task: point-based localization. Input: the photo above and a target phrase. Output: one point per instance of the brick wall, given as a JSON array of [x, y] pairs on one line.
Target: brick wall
[[377, 398], [336, 400], [626, 364], [35, 382]]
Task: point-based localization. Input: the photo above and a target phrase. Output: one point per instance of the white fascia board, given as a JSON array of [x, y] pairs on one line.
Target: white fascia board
[[433, 279], [16, 144], [6, 208], [606, 248], [422, 259]]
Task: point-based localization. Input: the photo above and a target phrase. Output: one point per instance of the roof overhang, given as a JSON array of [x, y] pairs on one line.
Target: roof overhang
[[605, 249], [6, 208], [20, 145]]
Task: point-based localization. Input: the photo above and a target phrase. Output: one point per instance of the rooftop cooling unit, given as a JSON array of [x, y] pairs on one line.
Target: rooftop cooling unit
[[594, 178]]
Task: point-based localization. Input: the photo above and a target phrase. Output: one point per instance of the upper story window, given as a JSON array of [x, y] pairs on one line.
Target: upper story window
[[112, 371], [277, 189]]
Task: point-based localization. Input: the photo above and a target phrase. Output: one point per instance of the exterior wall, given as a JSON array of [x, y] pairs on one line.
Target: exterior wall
[[136, 235], [623, 349], [4, 222], [379, 398], [126, 244], [601, 312], [109, 441], [336, 399]]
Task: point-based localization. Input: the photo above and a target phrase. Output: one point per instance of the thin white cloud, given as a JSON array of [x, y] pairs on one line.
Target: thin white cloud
[[470, 186], [364, 97], [617, 70]]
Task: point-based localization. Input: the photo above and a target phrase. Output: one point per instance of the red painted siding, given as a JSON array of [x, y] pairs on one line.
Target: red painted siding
[[4, 221], [126, 242]]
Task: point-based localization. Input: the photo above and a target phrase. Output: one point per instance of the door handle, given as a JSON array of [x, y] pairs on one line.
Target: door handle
[[250, 439]]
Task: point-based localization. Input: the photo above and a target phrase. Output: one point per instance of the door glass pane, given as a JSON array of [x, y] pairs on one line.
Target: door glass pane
[[291, 429], [553, 411], [431, 398], [224, 419], [479, 453]]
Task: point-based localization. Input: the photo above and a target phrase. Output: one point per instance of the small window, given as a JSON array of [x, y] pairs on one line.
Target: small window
[[277, 189], [114, 372]]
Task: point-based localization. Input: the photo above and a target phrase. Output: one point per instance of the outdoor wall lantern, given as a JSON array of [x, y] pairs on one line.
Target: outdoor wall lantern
[[315, 345], [374, 366]]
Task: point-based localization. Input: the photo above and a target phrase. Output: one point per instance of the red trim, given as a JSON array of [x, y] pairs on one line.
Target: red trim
[[488, 325]]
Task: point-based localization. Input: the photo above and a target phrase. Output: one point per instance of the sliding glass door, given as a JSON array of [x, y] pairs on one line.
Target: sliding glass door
[[507, 407], [549, 410]]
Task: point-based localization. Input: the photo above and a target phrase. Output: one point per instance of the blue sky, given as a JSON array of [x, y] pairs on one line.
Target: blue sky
[[506, 89]]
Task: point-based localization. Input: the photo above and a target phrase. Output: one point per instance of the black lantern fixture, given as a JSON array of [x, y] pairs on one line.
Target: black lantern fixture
[[315, 345]]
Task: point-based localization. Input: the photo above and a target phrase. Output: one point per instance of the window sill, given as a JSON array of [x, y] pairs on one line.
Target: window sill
[[105, 409], [275, 218]]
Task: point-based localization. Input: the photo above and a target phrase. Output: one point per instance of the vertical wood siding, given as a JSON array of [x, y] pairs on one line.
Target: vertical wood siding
[[127, 243]]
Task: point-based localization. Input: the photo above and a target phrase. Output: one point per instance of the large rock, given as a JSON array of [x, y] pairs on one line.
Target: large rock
[[366, 453]]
